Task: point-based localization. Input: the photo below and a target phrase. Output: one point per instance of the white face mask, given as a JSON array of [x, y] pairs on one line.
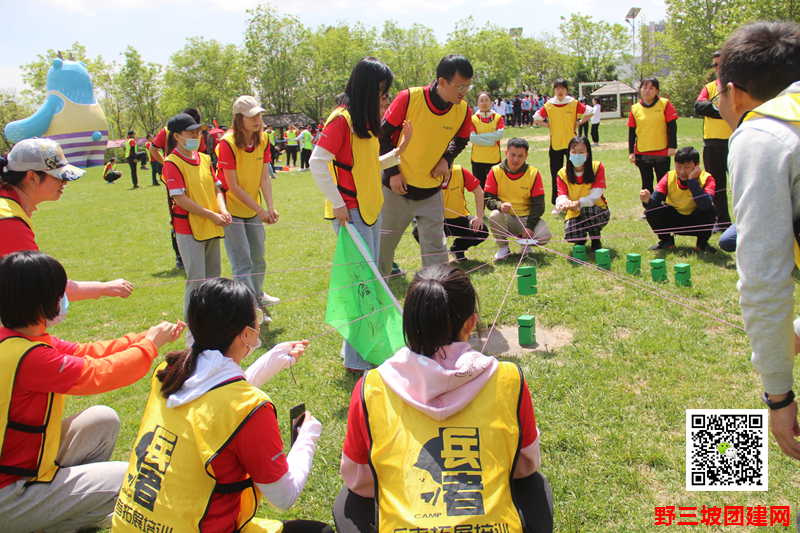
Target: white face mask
[[251, 349], [62, 312]]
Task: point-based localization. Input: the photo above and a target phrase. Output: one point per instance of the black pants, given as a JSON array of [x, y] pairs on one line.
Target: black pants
[[305, 155], [142, 157], [481, 170], [306, 526], [583, 129], [715, 159], [557, 161], [291, 152], [517, 118], [459, 227], [659, 166], [665, 220], [355, 514], [113, 176], [526, 116], [156, 168], [596, 133], [132, 163]]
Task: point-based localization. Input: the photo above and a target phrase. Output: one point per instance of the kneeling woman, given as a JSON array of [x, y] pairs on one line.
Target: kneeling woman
[[580, 194], [449, 433], [209, 444]]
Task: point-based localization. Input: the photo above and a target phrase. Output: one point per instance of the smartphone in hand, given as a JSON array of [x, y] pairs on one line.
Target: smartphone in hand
[[295, 415]]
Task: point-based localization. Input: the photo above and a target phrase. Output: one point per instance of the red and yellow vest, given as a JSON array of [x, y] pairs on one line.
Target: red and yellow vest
[[12, 351], [249, 166], [715, 128], [9, 208], [170, 482], [517, 192], [455, 205], [562, 121], [199, 183], [130, 147], [433, 133], [651, 126], [682, 199], [486, 154], [366, 172], [457, 472], [576, 191]]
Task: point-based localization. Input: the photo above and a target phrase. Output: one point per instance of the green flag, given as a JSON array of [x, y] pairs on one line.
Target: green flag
[[360, 305]]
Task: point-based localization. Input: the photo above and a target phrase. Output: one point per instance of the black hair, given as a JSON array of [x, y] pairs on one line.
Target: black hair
[[31, 285], [112, 158], [763, 58], [588, 169], [596, 99], [687, 154], [13, 177], [452, 63], [439, 301], [716, 54], [192, 112], [516, 142], [653, 81], [369, 81], [131, 133], [219, 310], [561, 82]]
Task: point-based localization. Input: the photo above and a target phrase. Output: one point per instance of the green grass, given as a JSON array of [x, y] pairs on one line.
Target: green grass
[[611, 405]]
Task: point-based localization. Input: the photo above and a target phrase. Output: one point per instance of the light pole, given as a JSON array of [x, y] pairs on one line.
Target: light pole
[[630, 18]]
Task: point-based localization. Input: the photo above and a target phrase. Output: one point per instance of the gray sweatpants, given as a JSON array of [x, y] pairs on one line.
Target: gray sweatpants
[[397, 213], [85, 488], [502, 224], [201, 260], [244, 243]]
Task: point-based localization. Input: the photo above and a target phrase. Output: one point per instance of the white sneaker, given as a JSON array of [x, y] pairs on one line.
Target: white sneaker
[[502, 253], [266, 300], [267, 319]]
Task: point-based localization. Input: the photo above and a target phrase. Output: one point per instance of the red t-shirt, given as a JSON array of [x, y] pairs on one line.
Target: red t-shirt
[[226, 159], [336, 140], [398, 110], [161, 141], [470, 181], [42, 371], [536, 190], [174, 178], [663, 185], [599, 181], [15, 235], [580, 109], [357, 441]]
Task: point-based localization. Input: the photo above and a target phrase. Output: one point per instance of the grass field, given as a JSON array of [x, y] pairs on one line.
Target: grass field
[[611, 405]]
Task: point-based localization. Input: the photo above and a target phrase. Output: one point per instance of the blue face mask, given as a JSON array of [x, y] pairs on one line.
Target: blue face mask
[[577, 159], [62, 312], [191, 144]]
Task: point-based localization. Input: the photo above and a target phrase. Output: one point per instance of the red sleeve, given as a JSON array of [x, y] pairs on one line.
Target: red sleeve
[[711, 185], [501, 124], [662, 185], [491, 183], [526, 418], [259, 447], [161, 139], [466, 127], [669, 113], [599, 178], [66, 347], [703, 94], [580, 109], [396, 113], [202, 144], [538, 187], [631, 121], [267, 152], [561, 187], [47, 369], [226, 159], [15, 235], [542, 112], [333, 137], [173, 176], [470, 181], [356, 441]]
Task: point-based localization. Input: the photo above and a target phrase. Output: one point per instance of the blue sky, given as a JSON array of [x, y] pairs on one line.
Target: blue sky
[[157, 28]]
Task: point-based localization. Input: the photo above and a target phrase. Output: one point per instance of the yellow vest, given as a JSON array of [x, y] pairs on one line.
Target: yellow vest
[[651, 126], [249, 166], [562, 121], [12, 351], [306, 137], [432, 136], [715, 128], [9, 208], [271, 137], [486, 154], [517, 192], [785, 108], [682, 199], [170, 481], [291, 136], [455, 205], [576, 191], [199, 184], [366, 171], [457, 472]]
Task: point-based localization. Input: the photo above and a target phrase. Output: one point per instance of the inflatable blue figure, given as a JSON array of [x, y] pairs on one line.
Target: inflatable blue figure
[[70, 115]]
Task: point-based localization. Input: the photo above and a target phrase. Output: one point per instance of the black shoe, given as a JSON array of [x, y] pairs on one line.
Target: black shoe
[[144, 168], [396, 269], [705, 247], [458, 255], [179, 264], [136, 187], [663, 245], [596, 245], [156, 184]]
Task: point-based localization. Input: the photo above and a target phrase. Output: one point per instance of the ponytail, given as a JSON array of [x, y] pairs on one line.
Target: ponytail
[[11, 177], [181, 364]]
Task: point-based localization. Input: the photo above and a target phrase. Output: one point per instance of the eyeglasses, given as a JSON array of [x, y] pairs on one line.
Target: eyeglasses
[[462, 89], [715, 100], [259, 320]]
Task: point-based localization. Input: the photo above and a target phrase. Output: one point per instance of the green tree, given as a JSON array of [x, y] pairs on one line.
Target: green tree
[[141, 87], [492, 52], [12, 107], [412, 54], [541, 62], [601, 46]]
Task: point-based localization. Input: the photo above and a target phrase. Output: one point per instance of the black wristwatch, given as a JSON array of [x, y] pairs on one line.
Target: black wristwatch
[[778, 405]]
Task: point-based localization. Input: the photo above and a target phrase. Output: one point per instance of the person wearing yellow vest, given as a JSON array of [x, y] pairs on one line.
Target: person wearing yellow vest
[[290, 135], [154, 165], [209, 446], [305, 139], [682, 203], [487, 131], [200, 212], [652, 133], [764, 164], [130, 156], [515, 198], [110, 172], [244, 156], [56, 474], [580, 195], [274, 151], [563, 114], [441, 436], [716, 133], [346, 165], [411, 190]]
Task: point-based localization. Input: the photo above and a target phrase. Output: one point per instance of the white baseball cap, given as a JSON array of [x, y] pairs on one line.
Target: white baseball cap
[[247, 106], [42, 155]]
